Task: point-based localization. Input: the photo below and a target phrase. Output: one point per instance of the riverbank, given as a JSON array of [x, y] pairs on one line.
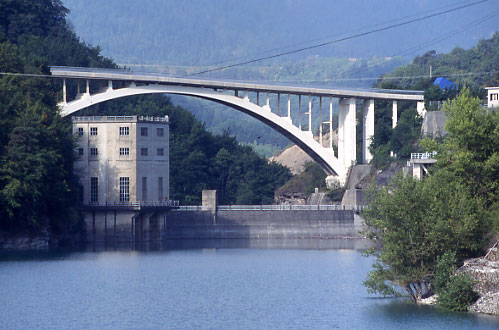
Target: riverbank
[[25, 241], [485, 273]]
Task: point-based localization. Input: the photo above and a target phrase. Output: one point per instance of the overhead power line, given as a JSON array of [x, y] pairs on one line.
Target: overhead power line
[[425, 44], [342, 39], [302, 43]]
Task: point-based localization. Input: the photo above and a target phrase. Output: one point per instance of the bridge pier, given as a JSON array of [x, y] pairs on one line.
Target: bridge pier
[[347, 131], [368, 130]]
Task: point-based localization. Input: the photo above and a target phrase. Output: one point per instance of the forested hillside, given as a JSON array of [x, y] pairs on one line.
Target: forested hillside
[[205, 32], [474, 68], [37, 186], [36, 147]]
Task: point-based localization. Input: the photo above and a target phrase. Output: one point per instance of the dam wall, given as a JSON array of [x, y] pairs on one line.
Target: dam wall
[[250, 224], [199, 223]]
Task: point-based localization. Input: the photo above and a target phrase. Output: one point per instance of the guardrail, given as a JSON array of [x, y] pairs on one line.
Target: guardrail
[[138, 204], [424, 155], [273, 208]]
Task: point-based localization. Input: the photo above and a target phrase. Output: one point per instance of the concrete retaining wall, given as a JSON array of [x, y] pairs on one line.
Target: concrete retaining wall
[[147, 226], [262, 224]]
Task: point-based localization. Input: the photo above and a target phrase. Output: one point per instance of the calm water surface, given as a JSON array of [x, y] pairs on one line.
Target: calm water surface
[[228, 285]]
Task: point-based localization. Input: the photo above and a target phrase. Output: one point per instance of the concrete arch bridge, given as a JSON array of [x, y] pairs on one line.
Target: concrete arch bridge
[[236, 94]]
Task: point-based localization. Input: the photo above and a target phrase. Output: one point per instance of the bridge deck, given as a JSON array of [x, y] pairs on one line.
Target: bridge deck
[[121, 75]]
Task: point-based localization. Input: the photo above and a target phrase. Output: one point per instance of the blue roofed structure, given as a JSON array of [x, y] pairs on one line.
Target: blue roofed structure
[[443, 83]]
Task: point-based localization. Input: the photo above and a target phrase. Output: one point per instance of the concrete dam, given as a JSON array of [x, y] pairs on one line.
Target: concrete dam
[[228, 222]]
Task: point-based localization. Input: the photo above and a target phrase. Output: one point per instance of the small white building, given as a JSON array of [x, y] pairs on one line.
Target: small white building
[[122, 159], [492, 97]]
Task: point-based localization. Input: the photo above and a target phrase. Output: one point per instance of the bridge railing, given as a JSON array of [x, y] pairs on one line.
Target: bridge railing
[[273, 208], [424, 155], [137, 204]]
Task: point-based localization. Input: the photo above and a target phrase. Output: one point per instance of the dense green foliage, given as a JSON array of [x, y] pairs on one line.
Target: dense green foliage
[[415, 223], [458, 293], [36, 147], [455, 291], [37, 185], [481, 61], [200, 160]]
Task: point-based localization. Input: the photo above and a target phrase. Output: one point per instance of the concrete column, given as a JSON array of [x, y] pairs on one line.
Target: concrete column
[[394, 120], [346, 131], [279, 105], [330, 122], [299, 112], [289, 107], [394, 113], [420, 108], [258, 98], [320, 120], [87, 91], [310, 114], [110, 84], [267, 104], [417, 171], [368, 130], [246, 97], [64, 94]]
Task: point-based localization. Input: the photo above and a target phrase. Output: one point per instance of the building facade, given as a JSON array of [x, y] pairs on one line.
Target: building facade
[[122, 159], [493, 97]]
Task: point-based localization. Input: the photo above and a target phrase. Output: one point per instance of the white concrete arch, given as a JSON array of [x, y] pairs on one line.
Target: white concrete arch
[[304, 139]]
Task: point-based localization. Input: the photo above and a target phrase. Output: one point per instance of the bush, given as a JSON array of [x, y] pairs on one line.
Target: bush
[[458, 294], [444, 270]]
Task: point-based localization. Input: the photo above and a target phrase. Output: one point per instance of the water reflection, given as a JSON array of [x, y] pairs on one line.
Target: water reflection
[[183, 244]]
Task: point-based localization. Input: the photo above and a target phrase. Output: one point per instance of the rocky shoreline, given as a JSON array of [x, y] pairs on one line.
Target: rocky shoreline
[[485, 273], [25, 242]]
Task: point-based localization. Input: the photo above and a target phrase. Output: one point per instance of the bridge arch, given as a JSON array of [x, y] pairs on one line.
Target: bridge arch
[[304, 139]]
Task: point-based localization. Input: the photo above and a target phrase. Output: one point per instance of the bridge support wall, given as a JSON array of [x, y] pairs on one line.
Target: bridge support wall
[[368, 130]]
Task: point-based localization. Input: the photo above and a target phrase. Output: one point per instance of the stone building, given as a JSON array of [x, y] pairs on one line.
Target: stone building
[[123, 167], [122, 159]]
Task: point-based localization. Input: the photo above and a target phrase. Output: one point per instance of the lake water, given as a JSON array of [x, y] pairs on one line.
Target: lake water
[[208, 285]]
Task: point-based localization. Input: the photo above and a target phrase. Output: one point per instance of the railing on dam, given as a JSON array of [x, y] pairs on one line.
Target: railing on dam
[[273, 208]]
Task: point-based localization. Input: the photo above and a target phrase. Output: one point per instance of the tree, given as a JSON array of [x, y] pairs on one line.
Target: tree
[[415, 223]]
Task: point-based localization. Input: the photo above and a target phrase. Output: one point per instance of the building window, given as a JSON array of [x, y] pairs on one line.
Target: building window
[[80, 151], [144, 188], [94, 152], [161, 152], [93, 130], [494, 97], [160, 189], [143, 151], [124, 189], [143, 131], [160, 132], [94, 189], [124, 131], [124, 151], [80, 131]]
